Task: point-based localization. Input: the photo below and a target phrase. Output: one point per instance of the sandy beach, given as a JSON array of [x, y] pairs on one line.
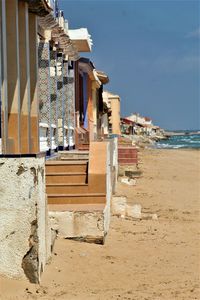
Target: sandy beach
[[141, 260]]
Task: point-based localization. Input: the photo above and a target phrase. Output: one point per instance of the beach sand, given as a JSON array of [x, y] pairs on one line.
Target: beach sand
[[141, 260]]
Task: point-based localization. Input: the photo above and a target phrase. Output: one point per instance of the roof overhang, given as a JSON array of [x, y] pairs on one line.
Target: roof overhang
[[39, 7], [85, 65], [59, 34], [81, 39], [126, 121], [102, 77]]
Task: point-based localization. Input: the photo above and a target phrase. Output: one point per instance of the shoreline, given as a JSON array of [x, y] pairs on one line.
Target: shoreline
[[180, 148], [171, 133], [163, 142]]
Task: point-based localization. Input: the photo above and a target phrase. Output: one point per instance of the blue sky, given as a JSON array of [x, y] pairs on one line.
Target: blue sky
[[150, 50]]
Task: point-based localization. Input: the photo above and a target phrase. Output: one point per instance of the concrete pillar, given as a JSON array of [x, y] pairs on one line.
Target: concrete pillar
[[34, 105], [90, 110], [4, 113], [85, 99], [53, 98], [77, 96], [94, 102], [60, 100], [65, 100], [70, 111], [24, 77], [44, 94], [13, 79]]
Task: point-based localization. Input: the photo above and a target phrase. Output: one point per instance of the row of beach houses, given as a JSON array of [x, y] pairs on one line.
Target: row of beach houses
[[58, 138]]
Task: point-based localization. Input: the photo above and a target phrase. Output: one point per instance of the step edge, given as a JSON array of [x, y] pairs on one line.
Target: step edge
[[63, 163], [65, 173], [76, 195], [66, 184]]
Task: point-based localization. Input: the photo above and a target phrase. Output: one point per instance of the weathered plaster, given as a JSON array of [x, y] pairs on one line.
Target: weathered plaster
[[23, 211], [81, 225]]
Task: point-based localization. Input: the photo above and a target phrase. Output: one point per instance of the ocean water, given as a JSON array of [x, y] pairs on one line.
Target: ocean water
[[180, 141]]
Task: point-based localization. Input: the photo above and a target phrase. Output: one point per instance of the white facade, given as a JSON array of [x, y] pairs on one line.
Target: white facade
[[81, 39]]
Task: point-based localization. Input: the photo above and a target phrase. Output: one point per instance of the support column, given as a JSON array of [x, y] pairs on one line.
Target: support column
[[24, 77], [34, 104], [85, 99], [77, 96], [65, 100], [13, 78], [4, 98], [94, 102], [44, 95], [70, 112], [90, 110], [53, 98], [60, 100]]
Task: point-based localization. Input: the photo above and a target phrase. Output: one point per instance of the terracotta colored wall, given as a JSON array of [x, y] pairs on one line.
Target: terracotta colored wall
[[115, 106], [98, 166], [90, 110]]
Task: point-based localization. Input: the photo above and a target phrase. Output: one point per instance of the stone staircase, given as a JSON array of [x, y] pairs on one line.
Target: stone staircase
[[67, 181], [76, 202]]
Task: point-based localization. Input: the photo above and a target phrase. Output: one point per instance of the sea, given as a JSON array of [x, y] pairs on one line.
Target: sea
[[187, 140]]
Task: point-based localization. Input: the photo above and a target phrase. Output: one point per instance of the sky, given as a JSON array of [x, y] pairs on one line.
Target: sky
[[150, 50]]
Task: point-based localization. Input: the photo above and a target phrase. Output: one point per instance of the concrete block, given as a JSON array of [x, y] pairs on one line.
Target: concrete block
[[134, 211], [119, 206], [124, 168], [89, 226], [128, 181], [23, 225]]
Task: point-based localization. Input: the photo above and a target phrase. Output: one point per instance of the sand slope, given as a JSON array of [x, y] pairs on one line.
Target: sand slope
[[141, 260]]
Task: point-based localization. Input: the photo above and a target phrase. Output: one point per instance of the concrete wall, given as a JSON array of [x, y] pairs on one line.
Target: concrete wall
[[24, 232], [115, 107], [113, 102]]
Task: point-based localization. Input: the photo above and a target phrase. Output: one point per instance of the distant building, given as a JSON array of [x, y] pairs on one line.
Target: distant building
[[113, 103]]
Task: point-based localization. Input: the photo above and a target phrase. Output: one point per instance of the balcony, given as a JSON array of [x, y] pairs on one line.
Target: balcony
[[81, 39]]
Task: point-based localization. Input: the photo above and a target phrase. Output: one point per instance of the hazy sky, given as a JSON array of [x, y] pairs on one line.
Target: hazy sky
[[150, 50]]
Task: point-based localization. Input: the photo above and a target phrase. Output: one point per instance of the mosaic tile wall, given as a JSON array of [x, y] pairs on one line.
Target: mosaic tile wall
[[65, 78], [53, 91], [70, 109], [44, 84], [59, 69]]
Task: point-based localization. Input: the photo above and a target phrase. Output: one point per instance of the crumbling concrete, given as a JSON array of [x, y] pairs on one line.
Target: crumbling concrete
[[126, 170], [119, 206], [121, 209], [134, 211], [24, 233], [128, 181], [88, 226]]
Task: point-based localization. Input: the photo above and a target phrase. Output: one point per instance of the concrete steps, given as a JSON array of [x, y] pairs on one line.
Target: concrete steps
[[61, 166], [76, 192], [86, 198], [77, 207], [81, 158], [66, 177], [84, 146], [74, 155], [67, 182], [67, 188]]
